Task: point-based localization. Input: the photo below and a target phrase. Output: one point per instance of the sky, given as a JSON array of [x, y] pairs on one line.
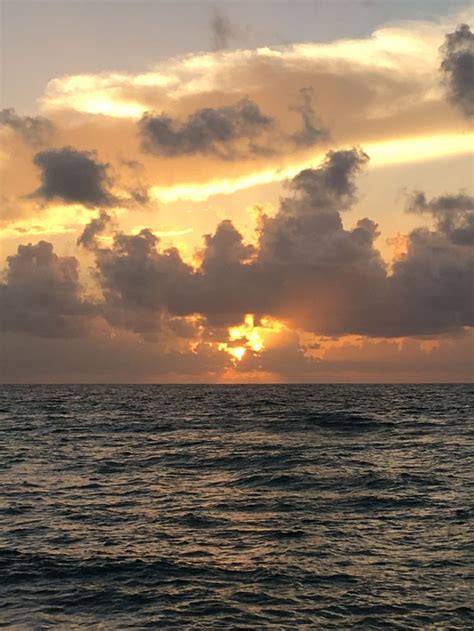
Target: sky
[[236, 192]]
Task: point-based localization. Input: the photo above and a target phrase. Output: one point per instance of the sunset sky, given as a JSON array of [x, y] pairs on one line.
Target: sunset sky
[[265, 191]]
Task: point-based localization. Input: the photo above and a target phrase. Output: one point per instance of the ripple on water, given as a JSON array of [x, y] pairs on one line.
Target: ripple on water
[[222, 507]]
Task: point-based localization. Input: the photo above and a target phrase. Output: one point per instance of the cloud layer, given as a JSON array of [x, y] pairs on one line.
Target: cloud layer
[[306, 269]]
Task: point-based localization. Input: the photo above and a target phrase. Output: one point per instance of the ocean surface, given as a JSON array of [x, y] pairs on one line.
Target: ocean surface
[[236, 507]]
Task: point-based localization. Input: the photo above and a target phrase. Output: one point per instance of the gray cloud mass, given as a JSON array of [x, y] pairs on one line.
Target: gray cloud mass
[[458, 67], [41, 294], [306, 267], [72, 176], [207, 131]]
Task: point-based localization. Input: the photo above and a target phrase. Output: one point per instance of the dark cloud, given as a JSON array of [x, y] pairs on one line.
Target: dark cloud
[[95, 227], [41, 294], [209, 130], [225, 248], [326, 272], [454, 215], [139, 282], [312, 132], [230, 281], [36, 130], [73, 176], [458, 67], [230, 133], [306, 268], [222, 31], [334, 281], [104, 358], [431, 287]]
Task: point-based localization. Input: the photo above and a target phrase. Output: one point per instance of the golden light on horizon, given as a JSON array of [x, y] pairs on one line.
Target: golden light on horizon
[[251, 336]]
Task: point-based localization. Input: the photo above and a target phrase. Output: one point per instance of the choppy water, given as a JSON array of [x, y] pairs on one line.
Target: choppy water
[[236, 507]]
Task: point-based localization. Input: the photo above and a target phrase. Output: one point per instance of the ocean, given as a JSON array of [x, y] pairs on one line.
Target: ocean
[[236, 507]]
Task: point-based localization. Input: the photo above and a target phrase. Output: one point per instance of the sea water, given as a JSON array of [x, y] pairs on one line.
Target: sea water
[[236, 507]]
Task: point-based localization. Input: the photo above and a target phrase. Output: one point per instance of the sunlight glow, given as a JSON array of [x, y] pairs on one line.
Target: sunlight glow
[[387, 152], [57, 219], [165, 232], [251, 336]]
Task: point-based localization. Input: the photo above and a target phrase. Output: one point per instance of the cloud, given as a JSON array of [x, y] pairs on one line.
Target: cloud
[[454, 215], [458, 67], [385, 70], [307, 273], [222, 31], [139, 282], [206, 131], [432, 284], [311, 269], [335, 282], [381, 92], [35, 130], [306, 269], [88, 237], [41, 294], [105, 357], [121, 358], [312, 131], [73, 176]]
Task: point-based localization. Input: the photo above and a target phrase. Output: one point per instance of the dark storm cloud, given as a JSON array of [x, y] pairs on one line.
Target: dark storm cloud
[[230, 281], [206, 131], [458, 67], [432, 286], [41, 294], [72, 176], [36, 130]]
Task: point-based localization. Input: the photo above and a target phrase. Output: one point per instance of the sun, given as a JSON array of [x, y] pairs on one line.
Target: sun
[[238, 352], [250, 336]]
